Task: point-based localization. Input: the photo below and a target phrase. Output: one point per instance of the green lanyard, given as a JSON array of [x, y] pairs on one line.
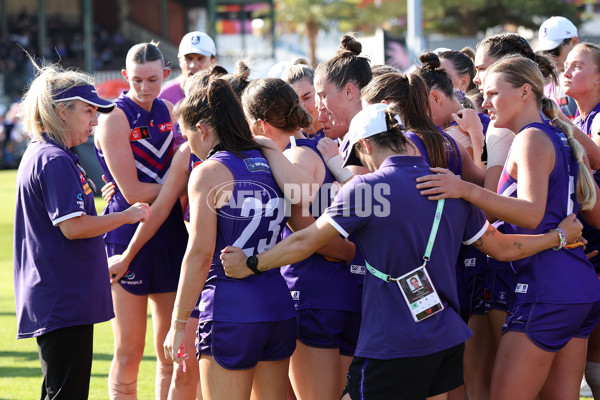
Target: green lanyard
[[426, 257]]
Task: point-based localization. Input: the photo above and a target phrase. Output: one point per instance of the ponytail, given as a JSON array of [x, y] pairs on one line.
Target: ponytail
[[586, 187]]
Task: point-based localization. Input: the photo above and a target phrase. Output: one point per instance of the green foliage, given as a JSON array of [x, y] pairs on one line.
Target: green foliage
[[20, 372], [469, 18]]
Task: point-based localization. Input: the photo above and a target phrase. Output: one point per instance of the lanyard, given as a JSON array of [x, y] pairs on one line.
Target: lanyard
[[427, 256]]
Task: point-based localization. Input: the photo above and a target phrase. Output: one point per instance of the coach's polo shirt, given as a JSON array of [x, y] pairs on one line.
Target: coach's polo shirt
[[392, 222], [58, 282]]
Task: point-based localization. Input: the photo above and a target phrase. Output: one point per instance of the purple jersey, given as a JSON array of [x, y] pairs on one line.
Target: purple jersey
[[589, 232], [58, 282], [151, 141], [453, 157], [391, 222], [315, 282], [173, 93], [194, 162], [252, 219], [559, 277]]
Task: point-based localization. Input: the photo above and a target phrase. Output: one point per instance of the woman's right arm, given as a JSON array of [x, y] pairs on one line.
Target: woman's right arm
[[112, 137], [533, 156], [174, 185], [200, 249], [296, 185]]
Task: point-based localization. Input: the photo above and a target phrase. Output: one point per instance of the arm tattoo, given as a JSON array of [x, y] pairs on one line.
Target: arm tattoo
[[518, 245]]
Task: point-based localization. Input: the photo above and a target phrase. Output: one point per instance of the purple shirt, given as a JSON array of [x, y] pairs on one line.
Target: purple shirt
[[316, 283], [453, 157], [556, 277], [151, 141], [58, 282], [391, 222], [171, 91], [591, 234], [253, 220]]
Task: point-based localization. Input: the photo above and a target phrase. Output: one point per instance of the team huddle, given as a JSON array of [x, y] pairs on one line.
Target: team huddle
[[349, 231]]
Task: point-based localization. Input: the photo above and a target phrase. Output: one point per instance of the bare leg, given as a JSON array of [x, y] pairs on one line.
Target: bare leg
[[270, 380], [219, 383], [478, 362], [162, 308], [497, 318], [314, 373], [345, 362], [460, 393], [521, 368], [129, 329], [186, 385], [592, 369], [564, 379]]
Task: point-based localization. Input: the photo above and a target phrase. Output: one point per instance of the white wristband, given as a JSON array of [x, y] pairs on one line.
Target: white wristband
[[335, 165]]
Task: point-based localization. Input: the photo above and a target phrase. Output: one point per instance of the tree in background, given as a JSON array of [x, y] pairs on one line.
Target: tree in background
[[459, 17]]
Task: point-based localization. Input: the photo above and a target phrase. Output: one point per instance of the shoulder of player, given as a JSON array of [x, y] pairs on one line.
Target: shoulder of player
[[113, 122], [209, 174], [534, 136]]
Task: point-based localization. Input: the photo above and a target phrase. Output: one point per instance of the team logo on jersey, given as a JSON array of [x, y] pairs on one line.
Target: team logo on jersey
[[502, 297], [246, 200], [139, 133], [295, 294], [257, 164], [129, 275], [80, 202], [86, 188], [521, 288], [357, 269], [470, 262], [166, 127]]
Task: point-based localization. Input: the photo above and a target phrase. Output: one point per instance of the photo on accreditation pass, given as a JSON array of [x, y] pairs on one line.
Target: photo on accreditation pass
[[419, 294]]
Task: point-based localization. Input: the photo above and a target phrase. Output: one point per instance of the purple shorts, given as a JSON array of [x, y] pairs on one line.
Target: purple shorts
[[501, 281], [241, 345], [329, 329], [551, 326], [152, 270], [478, 294]]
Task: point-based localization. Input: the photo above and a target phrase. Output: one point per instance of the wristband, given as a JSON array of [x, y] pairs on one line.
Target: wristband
[[336, 167], [252, 264], [184, 309], [183, 321], [563, 238]]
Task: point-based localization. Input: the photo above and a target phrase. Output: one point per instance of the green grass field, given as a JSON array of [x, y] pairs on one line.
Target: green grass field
[[20, 373]]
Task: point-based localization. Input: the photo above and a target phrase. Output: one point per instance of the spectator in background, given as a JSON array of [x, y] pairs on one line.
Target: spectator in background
[[197, 52], [556, 38]]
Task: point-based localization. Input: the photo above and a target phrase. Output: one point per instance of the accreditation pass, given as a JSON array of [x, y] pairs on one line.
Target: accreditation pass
[[420, 294]]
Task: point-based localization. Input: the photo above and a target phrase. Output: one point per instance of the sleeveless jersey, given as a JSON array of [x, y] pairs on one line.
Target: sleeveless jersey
[[315, 282], [194, 162], [453, 157], [151, 141], [589, 232], [556, 277], [252, 219]]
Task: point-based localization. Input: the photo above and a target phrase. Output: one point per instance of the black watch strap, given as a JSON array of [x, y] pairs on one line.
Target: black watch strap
[[252, 264]]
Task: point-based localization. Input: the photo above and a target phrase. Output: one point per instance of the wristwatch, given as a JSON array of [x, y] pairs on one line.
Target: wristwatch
[[252, 263]]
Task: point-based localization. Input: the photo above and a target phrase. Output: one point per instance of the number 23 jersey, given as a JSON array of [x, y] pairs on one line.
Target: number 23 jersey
[[252, 219]]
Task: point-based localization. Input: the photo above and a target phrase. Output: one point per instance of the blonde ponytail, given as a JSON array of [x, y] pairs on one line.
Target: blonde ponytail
[[586, 186]]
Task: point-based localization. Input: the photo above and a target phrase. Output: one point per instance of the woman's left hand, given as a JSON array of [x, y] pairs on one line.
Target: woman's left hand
[[328, 148], [443, 185], [117, 267], [234, 262], [173, 342], [572, 227]]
